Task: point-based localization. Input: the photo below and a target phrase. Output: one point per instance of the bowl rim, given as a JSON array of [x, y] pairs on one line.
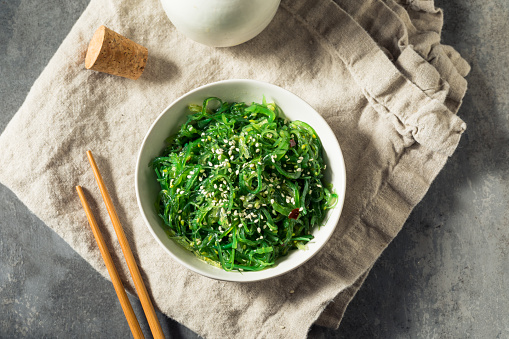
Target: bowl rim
[[243, 276]]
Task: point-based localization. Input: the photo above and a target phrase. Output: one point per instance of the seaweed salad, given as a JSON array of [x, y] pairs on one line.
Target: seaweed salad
[[241, 185]]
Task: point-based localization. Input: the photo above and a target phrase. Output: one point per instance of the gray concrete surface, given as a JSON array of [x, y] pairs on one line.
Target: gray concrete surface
[[446, 275]]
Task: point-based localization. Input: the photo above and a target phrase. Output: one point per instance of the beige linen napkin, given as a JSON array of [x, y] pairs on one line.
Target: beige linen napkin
[[374, 69]]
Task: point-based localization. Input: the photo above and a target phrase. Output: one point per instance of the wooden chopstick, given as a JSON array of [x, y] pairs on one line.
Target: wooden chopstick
[[146, 303], [115, 278]]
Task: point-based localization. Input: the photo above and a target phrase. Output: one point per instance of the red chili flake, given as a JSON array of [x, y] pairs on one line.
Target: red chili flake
[[292, 143], [294, 214]]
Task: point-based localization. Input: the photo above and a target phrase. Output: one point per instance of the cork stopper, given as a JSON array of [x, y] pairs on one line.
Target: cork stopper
[[112, 53]]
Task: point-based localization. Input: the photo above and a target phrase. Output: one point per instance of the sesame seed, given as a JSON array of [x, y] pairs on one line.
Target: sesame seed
[[299, 169]]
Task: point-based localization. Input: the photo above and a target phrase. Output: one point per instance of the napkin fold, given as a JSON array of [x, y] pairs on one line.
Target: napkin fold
[[375, 70]]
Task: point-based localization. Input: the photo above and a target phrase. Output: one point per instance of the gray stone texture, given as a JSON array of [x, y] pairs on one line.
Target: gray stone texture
[[446, 275]]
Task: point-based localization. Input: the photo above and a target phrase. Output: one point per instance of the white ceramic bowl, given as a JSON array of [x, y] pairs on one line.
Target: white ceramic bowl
[[220, 23], [169, 122]]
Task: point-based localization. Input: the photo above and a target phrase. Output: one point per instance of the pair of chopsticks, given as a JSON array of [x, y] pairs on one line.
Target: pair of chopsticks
[[146, 304]]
